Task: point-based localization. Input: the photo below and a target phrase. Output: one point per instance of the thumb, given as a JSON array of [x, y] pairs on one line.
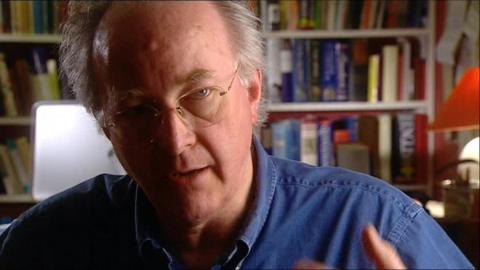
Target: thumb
[[381, 252]]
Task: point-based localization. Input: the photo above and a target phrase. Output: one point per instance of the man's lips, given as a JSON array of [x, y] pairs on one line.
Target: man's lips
[[186, 173]]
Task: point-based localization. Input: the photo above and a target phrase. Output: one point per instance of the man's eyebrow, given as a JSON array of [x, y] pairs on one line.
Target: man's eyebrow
[[197, 75]]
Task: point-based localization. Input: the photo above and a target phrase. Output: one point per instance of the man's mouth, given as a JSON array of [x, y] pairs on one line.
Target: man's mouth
[[186, 173]]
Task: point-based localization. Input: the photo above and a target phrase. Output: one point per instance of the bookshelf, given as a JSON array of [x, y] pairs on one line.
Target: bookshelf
[[426, 39], [29, 43]]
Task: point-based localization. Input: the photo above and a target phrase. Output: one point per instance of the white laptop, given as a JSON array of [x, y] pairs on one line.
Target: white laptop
[[68, 148]]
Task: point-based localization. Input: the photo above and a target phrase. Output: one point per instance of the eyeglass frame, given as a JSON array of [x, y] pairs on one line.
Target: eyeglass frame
[[157, 112]]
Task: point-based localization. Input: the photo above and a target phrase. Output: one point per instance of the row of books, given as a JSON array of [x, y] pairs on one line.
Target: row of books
[[337, 70], [31, 17], [25, 81], [15, 166], [392, 147], [337, 15]]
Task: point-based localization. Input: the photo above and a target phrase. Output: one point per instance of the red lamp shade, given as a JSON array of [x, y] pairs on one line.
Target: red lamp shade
[[462, 108]]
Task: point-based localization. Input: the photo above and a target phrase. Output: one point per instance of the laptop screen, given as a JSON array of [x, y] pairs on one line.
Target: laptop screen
[[68, 148]]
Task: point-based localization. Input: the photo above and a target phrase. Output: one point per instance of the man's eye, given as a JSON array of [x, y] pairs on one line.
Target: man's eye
[[200, 94]]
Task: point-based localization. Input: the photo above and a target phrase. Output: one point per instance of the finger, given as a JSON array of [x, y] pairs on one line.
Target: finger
[[309, 265], [379, 251]]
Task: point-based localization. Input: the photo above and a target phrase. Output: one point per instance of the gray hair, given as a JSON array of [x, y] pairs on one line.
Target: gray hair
[[84, 16]]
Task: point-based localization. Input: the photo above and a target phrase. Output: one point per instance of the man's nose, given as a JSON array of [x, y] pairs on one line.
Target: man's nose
[[173, 133]]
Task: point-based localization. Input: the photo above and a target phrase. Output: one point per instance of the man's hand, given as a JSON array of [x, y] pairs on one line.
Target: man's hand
[[378, 250]]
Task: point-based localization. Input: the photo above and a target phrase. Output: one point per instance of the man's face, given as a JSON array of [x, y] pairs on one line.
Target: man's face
[[156, 54]]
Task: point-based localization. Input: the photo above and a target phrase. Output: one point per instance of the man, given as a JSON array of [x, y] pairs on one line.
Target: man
[[176, 86]]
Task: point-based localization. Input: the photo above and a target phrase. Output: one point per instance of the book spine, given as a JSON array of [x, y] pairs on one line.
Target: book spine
[[385, 146], [300, 72], [373, 74], [11, 181], [308, 142], [325, 144], [315, 92], [403, 148], [6, 89], [342, 50], [389, 73], [329, 71], [18, 166]]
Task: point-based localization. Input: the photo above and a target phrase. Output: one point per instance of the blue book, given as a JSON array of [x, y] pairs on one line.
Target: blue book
[[342, 52], [286, 68], [325, 143], [286, 139], [329, 71], [299, 58], [38, 16]]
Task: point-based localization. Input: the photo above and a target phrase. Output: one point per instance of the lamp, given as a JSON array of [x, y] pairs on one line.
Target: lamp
[[461, 111]]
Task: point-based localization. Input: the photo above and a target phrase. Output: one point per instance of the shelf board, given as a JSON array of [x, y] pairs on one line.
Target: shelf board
[[30, 38], [15, 121], [17, 198], [369, 33], [345, 106]]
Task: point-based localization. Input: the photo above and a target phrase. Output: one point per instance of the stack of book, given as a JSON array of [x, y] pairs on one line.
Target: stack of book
[[25, 81], [340, 70], [31, 17], [392, 147], [338, 15], [15, 166]]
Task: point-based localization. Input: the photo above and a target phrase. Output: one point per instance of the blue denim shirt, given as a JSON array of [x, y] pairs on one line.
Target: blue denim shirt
[[299, 212]]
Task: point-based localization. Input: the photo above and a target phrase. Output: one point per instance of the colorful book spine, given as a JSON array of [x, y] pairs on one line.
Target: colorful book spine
[[373, 75], [403, 148], [325, 143], [308, 141], [342, 51], [329, 71], [286, 139]]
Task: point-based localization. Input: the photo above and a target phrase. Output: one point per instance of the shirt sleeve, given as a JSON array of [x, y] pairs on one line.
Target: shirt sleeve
[[425, 244]]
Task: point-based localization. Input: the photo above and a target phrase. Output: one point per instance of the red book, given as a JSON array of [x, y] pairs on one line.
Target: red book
[[421, 152]]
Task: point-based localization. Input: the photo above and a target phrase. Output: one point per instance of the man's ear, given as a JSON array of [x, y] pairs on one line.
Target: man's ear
[[255, 94]]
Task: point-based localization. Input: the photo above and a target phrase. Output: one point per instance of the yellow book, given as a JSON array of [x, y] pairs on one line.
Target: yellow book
[[6, 89], [372, 84], [10, 180]]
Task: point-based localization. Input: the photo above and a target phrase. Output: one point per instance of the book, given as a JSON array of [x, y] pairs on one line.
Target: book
[[325, 143], [11, 181], [19, 167], [24, 149], [286, 69], [353, 156], [342, 51], [358, 73], [389, 73], [300, 70], [315, 91], [373, 75], [286, 139], [308, 141], [8, 97], [368, 132], [329, 70], [403, 148], [407, 89], [385, 146], [273, 75]]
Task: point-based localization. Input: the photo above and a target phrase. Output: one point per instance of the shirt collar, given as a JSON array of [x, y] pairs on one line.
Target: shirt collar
[[146, 230], [265, 181]]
